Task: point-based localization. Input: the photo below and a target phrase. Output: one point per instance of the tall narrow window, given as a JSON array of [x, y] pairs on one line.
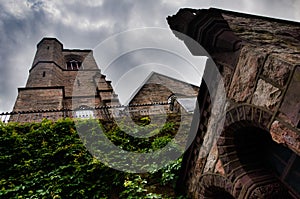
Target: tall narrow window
[[44, 74]]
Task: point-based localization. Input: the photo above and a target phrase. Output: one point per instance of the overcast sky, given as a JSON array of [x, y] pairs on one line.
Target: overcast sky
[[85, 24]]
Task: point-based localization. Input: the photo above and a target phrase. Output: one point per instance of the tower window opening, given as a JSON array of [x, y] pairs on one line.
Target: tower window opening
[[44, 74], [73, 65]]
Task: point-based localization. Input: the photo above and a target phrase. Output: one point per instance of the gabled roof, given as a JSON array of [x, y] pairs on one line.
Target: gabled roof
[[151, 75]]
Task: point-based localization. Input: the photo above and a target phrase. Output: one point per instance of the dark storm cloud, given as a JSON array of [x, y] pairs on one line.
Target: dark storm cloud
[[85, 24], [77, 24], [24, 26], [16, 54]]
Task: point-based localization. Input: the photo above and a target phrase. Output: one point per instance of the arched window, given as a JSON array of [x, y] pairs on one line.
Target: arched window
[[73, 64]]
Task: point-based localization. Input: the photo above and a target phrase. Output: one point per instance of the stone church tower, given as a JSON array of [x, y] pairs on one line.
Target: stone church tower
[[62, 79]]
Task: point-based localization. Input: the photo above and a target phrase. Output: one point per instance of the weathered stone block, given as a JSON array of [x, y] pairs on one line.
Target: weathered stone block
[[283, 135], [291, 103], [243, 81], [39, 99], [266, 95], [277, 70]]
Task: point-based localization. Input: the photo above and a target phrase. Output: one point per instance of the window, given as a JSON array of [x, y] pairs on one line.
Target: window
[[286, 166], [73, 65], [84, 112], [171, 100]]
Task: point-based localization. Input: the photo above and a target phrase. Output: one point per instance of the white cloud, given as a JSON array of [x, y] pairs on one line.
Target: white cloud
[[296, 6], [16, 8]]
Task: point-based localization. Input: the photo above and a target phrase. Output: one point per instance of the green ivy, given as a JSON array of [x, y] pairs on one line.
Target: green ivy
[[49, 160]]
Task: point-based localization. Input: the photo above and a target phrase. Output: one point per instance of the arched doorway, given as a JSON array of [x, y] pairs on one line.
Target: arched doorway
[[252, 162], [216, 193], [213, 186]]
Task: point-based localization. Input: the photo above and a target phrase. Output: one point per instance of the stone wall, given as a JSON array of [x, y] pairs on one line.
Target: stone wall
[[49, 98], [258, 58], [158, 88]]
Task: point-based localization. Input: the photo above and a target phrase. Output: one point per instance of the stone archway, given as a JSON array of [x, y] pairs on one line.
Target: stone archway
[[255, 75], [244, 146], [214, 186]]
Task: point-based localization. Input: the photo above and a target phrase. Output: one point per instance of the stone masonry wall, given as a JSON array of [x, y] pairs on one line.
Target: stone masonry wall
[[159, 88], [49, 99], [259, 60]]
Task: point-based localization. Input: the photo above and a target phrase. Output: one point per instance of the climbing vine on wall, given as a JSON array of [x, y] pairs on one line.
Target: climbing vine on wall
[[49, 160]]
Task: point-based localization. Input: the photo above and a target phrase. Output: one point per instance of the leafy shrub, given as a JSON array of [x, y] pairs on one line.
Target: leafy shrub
[[49, 160]]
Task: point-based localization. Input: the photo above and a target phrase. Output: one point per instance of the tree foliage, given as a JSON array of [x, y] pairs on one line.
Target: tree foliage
[[49, 160]]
